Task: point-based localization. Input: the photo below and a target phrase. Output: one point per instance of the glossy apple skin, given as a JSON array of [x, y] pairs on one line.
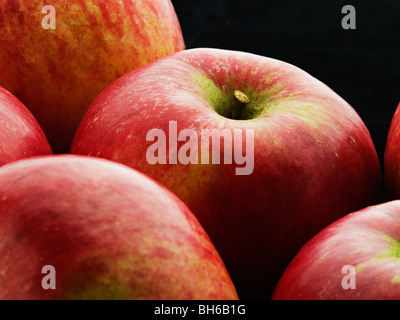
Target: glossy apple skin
[[392, 158], [367, 240], [109, 231], [314, 157], [20, 134], [58, 73]]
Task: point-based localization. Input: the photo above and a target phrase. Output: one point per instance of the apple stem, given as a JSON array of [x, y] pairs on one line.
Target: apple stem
[[241, 100]]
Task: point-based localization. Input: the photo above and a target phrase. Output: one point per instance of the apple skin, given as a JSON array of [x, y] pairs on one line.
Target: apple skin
[[314, 159], [392, 158], [367, 240], [20, 134], [58, 73], [109, 231]]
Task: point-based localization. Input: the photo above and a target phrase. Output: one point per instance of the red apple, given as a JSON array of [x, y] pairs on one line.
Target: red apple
[[355, 258], [392, 158], [109, 232], [20, 134], [314, 160], [58, 72]]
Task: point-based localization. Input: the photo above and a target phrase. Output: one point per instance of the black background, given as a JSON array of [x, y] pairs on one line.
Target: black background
[[361, 65]]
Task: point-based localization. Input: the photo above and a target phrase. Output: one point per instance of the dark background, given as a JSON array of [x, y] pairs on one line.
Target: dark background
[[361, 65]]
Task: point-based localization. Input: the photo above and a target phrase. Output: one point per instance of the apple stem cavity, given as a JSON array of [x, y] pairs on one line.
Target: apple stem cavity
[[241, 100]]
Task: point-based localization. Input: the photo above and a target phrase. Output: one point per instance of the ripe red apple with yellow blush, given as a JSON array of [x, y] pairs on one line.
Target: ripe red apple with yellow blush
[[58, 72], [392, 157], [354, 258], [264, 154], [20, 134], [108, 232]]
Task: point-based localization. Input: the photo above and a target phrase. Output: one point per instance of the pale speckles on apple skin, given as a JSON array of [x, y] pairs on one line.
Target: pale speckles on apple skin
[[8, 125]]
